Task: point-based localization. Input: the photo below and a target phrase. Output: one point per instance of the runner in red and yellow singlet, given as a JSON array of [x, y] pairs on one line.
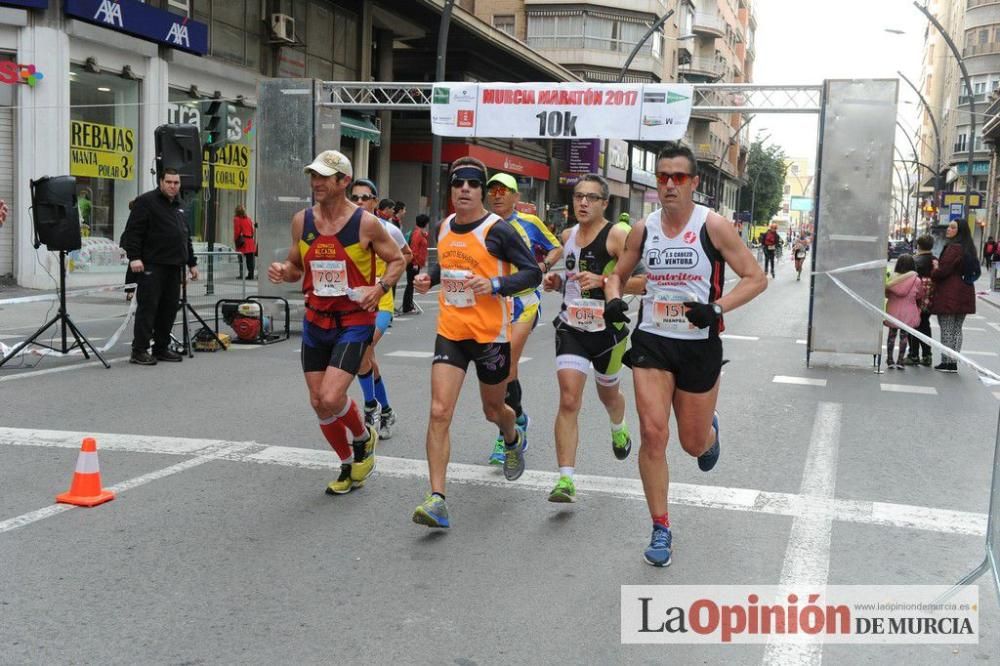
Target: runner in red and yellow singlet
[[333, 252]]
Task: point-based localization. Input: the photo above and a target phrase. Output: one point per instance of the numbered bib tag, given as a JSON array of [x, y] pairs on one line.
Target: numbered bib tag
[[586, 314], [455, 293], [668, 310], [329, 277]]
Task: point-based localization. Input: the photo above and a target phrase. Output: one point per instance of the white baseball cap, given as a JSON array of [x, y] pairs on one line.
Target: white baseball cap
[[330, 162]]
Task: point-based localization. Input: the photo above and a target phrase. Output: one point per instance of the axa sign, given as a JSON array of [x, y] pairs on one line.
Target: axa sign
[[138, 19]]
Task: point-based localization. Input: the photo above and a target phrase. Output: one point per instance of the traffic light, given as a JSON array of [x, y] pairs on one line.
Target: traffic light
[[214, 123]]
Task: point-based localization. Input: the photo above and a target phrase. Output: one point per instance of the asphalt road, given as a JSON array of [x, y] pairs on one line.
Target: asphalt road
[[222, 546]]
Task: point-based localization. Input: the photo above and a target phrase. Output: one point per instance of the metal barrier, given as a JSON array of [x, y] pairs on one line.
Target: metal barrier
[[220, 275]]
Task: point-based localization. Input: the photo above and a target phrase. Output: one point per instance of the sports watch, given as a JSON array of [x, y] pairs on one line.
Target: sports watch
[[717, 309]]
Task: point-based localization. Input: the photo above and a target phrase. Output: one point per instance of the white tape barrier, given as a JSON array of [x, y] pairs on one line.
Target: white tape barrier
[[111, 342], [988, 377], [41, 298]]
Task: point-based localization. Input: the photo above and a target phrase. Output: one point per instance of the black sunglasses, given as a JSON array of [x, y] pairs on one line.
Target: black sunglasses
[[473, 183], [361, 197]]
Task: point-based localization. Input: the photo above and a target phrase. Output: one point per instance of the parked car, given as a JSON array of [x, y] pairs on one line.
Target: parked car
[[897, 248]]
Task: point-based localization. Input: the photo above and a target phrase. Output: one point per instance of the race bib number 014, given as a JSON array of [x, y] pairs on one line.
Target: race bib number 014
[[329, 277], [586, 314], [455, 292]]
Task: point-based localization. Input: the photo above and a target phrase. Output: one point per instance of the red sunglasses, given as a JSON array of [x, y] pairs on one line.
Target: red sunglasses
[[680, 178]]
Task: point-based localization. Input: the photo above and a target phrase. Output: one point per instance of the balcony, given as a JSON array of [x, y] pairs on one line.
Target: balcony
[[703, 67], [972, 4], [708, 24], [651, 7], [703, 152], [978, 98], [981, 49], [698, 114]]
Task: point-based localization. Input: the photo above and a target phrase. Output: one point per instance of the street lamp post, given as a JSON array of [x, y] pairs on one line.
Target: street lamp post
[[442, 50], [916, 206], [967, 82], [937, 135]]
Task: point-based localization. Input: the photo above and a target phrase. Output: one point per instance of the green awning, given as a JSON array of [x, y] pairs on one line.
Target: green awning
[[358, 127]]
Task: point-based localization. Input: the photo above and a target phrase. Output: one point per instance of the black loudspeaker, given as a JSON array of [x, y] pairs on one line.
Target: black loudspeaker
[[179, 147], [53, 207]]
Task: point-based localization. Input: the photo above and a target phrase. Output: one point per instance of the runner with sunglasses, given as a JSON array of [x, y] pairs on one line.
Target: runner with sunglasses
[[333, 251], [583, 339], [676, 354], [378, 411], [502, 195], [477, 257]]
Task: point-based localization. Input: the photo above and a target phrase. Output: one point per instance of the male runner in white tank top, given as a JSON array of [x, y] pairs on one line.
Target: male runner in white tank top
[[676, 354]]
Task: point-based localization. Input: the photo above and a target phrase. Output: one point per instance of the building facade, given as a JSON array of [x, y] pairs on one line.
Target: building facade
[[974, 26]]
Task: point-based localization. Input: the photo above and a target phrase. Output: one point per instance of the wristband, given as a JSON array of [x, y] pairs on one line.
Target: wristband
[[495, 283], [385, 287]]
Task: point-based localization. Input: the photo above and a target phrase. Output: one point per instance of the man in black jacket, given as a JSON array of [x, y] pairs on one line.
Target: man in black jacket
[[158, 245], [920, 352]]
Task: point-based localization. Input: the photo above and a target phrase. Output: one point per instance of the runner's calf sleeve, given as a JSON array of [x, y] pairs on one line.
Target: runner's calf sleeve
[[380, 394], [513, 397], [336, 434], [367, 383]]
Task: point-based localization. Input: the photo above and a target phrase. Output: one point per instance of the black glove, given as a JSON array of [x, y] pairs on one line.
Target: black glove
[[701, 315], [614, 312]]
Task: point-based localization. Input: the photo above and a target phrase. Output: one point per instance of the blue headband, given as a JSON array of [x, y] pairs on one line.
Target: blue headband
[[467, 172]]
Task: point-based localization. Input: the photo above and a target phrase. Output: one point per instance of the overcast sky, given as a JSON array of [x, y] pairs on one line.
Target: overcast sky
[[807, 41]]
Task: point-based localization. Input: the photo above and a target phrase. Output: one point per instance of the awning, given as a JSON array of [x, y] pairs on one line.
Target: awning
[[358, 127]]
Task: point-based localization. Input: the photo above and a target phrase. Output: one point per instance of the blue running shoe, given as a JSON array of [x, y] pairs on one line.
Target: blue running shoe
[[498, 455], [432, 512], [707, 460], [658, 553], [513, 464]]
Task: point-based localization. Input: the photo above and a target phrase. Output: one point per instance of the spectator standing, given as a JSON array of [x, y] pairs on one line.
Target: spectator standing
[[158, 245], [989, 249], [418, 246], [398, 213], [770, 240], [245, 238], [4, 211], [924, 263], [954, 297]]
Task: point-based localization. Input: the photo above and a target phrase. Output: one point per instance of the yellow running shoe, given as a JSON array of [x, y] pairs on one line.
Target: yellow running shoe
[[343, 484], [364, 465]]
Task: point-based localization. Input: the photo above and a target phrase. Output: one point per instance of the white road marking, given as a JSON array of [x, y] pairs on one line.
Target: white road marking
[[807, 558], [727, 336], [411, 354], [973, 328], [800, 342], [979, 353], [975, 316], [67, 368], [524, 359], [996, 394], [907, 388], [995, 326], [801, 381], [212, 453], [710, 497]]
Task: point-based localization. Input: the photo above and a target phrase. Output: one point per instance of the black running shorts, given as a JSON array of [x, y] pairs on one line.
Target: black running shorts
[[695, 364], [492, 359]]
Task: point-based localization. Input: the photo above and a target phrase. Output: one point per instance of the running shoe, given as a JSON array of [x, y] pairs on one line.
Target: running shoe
[[621, 443], [707, 460], [343, 484], [432, 512], [373, 415], [658, 552], [387, 420], [564, 492], [498, 455], [523, 421], [364, 458], [513, 463]]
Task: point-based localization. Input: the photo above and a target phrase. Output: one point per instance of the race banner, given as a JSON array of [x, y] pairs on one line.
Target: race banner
[[650, 112]]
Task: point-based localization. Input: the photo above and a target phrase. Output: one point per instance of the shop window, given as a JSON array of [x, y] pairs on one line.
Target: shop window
[[104, 148], [234, 167]]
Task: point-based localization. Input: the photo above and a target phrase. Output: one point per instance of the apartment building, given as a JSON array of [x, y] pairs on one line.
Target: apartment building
[[974, 26], [704, 41]]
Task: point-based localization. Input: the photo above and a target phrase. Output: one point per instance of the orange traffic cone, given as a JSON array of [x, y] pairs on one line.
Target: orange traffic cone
[[86, 487]]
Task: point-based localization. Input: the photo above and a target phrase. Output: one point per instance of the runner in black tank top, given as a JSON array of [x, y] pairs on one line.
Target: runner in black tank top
[[582, 337]]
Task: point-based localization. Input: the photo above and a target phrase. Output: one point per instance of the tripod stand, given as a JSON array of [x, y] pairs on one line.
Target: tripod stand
[[185, 307], [61, 317]]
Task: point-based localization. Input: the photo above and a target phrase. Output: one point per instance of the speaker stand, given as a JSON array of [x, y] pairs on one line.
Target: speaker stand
[[186, 307], [62, 318]]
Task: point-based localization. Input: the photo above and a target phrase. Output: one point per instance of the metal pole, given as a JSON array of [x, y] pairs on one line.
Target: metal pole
[[972, 101], [722, 155], [937, 135], [657, 24], [916, 197], [442, 49]]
